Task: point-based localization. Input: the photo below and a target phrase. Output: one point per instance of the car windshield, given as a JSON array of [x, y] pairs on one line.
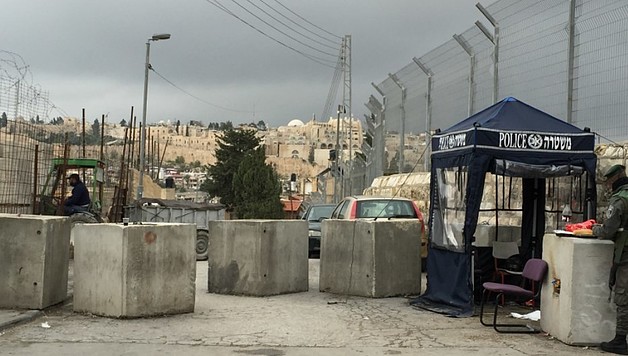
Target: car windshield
[[318, 212], [385, 208]]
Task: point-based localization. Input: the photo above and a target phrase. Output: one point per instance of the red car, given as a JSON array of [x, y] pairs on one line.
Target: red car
[[373, 207]]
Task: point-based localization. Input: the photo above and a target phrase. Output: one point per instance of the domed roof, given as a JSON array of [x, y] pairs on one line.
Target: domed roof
[[296, 122]]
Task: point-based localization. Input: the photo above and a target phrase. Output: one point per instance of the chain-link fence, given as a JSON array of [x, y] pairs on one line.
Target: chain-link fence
[[566, 57], [28, 152]]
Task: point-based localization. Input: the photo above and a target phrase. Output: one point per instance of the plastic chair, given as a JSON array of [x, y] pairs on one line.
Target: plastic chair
[[534, 271]]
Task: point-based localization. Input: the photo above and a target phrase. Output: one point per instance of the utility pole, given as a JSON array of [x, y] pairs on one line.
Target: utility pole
[[337, 173], [346, 101]]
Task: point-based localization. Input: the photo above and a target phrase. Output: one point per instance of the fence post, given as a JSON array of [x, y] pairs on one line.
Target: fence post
[[461, 41], [495, 40], [428, 111], [570, 60], [402, 134]]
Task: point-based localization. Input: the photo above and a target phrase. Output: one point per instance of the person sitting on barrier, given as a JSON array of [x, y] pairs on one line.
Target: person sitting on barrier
[[79, 201]]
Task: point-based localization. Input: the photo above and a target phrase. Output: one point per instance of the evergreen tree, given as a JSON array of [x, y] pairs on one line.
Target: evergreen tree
[[4, 120], [123, 123], [256, 188], [261, 125], [310, 156], [96, 128], [176, 128], [233, 146]]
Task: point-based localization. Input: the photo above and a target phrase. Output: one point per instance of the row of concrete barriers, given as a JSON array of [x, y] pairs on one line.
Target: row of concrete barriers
[[150, 269]]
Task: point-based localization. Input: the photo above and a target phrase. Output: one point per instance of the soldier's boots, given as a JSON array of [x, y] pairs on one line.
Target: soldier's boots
[[617, 345]]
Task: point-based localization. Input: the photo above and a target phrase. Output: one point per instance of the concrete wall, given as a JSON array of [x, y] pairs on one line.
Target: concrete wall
[[258, 257], [580, 314], [135, 270], [371, 258], [34, 254]]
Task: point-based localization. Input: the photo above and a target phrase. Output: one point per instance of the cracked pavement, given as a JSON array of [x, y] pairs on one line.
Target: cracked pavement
[[292, 324]]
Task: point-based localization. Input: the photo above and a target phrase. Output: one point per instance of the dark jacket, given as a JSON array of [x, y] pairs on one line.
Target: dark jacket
[[80, 195]]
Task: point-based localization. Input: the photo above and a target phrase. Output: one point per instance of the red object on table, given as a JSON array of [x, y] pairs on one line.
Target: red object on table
[[583, 225]]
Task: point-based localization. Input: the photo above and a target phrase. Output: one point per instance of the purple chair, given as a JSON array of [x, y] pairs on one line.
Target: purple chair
[[533, 273]]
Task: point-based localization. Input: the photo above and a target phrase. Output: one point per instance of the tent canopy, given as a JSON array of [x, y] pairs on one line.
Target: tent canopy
[[509, 138]]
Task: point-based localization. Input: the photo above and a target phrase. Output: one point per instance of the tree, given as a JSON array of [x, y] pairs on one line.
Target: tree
[[233, 146], [310, 156], [261, 125], [256, 188], [226, 126], [96, 128], [123, 123], [176, 128], [4, 120]]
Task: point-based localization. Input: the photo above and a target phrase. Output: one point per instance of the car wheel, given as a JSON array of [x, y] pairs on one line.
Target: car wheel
[[202, 245]]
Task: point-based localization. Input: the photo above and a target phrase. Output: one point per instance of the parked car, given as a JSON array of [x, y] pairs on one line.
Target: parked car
[[374, 207], [314, 215]]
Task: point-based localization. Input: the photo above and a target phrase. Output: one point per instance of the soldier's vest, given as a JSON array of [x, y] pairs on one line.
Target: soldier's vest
[[621, 237]]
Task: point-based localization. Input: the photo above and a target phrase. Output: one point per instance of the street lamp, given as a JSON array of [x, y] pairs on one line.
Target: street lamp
[[140, 186], [337, 179]]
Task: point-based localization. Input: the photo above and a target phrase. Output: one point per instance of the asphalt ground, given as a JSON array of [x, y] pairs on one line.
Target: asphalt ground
[[309, 323]]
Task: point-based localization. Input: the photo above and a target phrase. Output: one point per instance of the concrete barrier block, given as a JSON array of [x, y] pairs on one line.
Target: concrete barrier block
[[135, 270], [371, 258], [34, 256], [577, 313], [258, 257]]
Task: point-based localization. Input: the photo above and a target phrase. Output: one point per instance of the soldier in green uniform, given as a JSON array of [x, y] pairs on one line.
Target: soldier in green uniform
[[615, 227]]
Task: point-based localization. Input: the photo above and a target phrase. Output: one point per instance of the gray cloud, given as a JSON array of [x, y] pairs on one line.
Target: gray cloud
[[91, 54]]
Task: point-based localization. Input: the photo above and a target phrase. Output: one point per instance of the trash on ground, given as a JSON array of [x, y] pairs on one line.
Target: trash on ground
[[534, 316], [45, 325]]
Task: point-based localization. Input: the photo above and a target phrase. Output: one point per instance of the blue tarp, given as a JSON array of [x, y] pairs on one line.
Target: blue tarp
[[512, 131]]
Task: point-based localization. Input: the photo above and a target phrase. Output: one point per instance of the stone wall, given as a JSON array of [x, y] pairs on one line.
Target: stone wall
[[416, 186]]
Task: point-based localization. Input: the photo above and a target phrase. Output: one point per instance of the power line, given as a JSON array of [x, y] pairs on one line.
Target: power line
[[298, 24], [282, 32], [308, 56], [196, 97], [333, 91], [304, 19], [291, 28]]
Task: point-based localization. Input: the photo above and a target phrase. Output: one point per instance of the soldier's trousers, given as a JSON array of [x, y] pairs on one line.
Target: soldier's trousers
[[621, 299]]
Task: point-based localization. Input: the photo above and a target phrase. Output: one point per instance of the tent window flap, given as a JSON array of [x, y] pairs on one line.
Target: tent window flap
[[449, 212]]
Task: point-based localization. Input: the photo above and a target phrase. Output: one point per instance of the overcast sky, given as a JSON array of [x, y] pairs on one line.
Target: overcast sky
[[90, 54]]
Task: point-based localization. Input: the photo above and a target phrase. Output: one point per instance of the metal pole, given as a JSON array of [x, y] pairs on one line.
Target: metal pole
[[402, 139], [102, 138], [461, 41], [346, 100], [36, 209], [495, 40], [337, 174], [379, 135], [570, 61], [428, 111], [140, 185]]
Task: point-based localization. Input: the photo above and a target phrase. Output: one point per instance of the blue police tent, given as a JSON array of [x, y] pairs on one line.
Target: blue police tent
[[508, 139]]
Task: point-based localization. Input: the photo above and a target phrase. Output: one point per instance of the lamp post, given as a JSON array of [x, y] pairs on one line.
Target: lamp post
[[338, 181], [140, 185]]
